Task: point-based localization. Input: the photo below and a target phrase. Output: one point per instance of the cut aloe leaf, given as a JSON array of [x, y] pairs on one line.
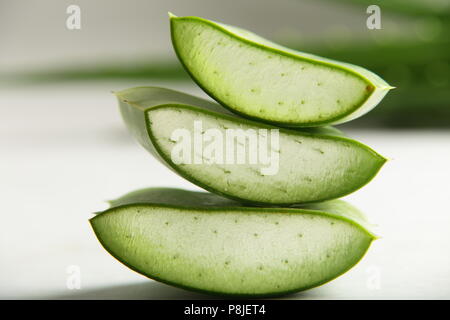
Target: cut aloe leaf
[[260, 79], [289, 166], [216, 246]]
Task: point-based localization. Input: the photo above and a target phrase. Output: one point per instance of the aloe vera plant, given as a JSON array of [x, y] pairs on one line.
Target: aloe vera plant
[[262, 80], [299, 166], [207, 243]]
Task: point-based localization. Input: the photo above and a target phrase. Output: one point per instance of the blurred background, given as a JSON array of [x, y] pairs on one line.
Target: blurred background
[[119, 41], [64, 149]]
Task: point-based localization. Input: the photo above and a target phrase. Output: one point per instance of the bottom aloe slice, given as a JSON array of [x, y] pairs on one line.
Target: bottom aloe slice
[[243, 159], [203, 242]]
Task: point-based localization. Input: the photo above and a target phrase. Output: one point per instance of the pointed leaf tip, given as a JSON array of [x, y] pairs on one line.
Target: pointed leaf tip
[[171, 15]]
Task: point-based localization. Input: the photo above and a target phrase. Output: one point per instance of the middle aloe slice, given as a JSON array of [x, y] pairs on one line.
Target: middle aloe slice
[[243, 159]]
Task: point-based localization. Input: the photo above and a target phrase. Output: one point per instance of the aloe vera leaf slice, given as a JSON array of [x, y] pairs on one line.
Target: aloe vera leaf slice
[[313, 165], [260, 79], [230, 249]]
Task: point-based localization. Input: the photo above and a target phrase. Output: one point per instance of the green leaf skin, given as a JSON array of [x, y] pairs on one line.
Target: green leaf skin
[[314, 164], [262, 80], [219, 247]]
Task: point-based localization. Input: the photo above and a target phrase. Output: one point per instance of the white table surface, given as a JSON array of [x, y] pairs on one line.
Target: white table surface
[[64, 150]]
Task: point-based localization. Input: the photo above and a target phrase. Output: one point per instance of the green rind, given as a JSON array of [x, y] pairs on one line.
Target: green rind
[[379, 85], [135, 113], [178, 197], [201, 209], [202, 200]]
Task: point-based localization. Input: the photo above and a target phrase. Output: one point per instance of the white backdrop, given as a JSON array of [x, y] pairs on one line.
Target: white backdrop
[[64, 150]]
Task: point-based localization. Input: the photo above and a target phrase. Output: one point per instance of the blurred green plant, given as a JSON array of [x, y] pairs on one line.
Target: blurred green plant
[[435, 8], [420, 72], [161, 70], [418, 65]]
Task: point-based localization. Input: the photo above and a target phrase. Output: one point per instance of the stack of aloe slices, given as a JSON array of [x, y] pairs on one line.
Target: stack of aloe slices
[[270, 225]]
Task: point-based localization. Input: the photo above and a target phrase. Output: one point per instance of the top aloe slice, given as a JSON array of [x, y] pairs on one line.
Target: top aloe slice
[[263, 80], [308, 165]]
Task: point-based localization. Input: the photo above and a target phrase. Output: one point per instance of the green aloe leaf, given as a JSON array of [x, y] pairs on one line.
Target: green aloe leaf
[[263, 80], [298, 166], [202, 242]]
